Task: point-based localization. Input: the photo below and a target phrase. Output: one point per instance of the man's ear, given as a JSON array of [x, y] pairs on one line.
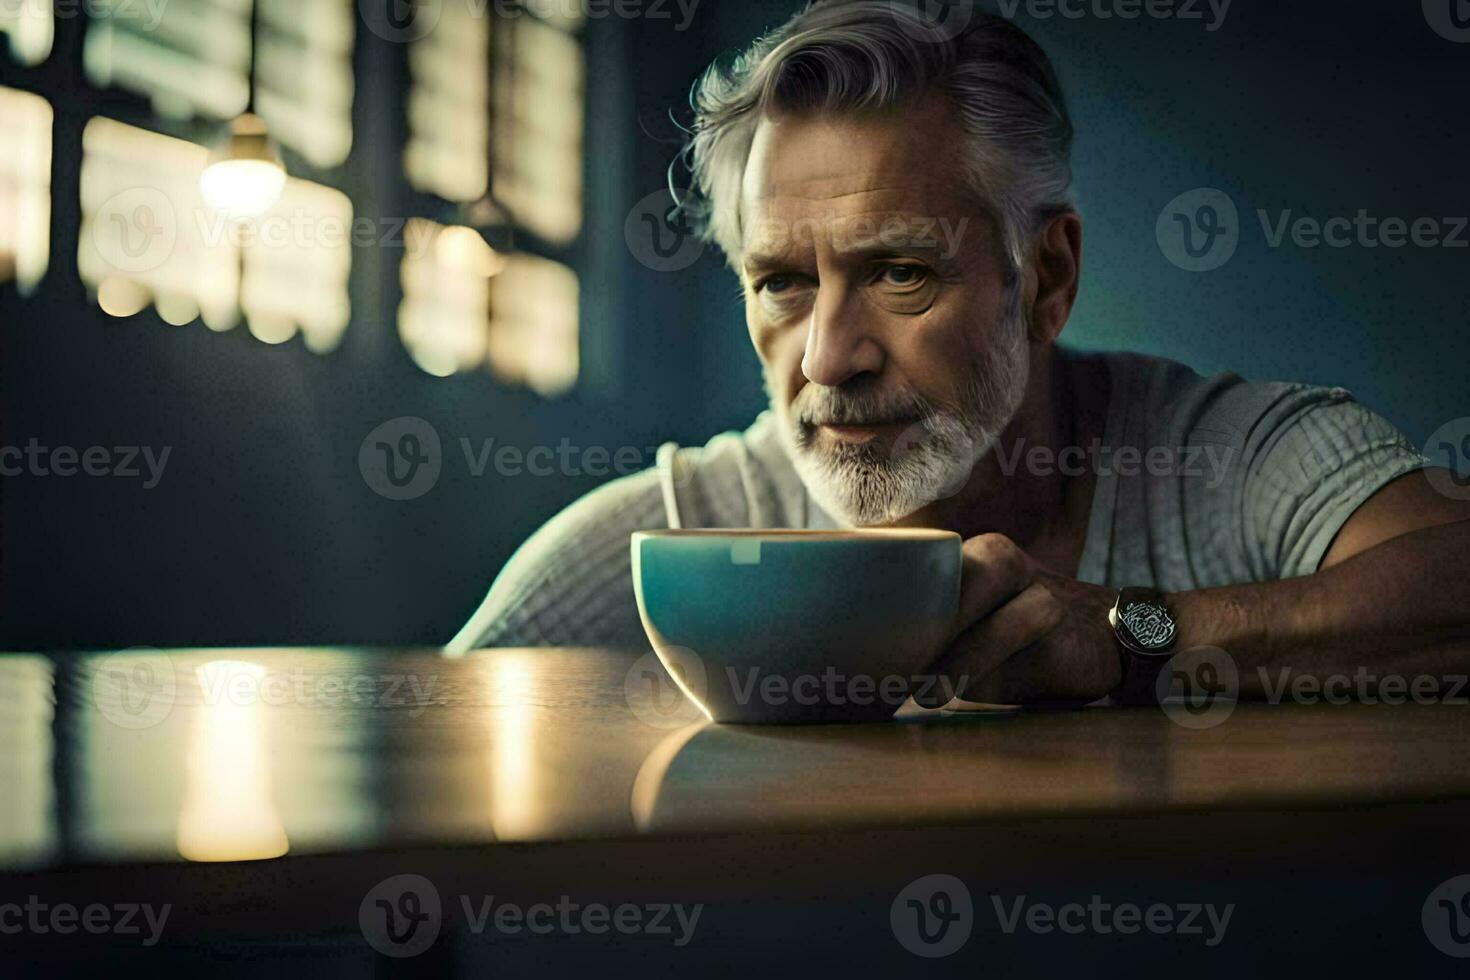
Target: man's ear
[[1051, 281]]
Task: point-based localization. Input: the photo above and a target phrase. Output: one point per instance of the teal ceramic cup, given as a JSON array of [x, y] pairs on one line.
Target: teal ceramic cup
[[797, 626]]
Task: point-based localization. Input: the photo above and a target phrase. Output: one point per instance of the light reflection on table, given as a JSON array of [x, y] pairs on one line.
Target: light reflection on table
[[222, 755]]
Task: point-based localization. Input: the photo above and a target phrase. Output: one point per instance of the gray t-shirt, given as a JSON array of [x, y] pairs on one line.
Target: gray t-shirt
[[1200, 482]]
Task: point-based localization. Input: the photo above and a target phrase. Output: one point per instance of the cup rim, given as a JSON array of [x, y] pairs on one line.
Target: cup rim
[[804, 534]]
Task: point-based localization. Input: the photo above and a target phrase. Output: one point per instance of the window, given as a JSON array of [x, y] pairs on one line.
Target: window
[[465, 305], [148, 237], [297, 261], [141, 241], [190, 57], [533, 324], [496, 108], [446, 274], [448, 151], [304, 76], [31, 26], [193, 58], [538, 128], [25, 188]]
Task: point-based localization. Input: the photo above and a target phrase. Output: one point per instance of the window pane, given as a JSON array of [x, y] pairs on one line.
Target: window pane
[[538, 127], [297, 260], [25, 188], [566, 14], [304, 76], [448, 151], [193, 59], [142, 237], [533, 324], [31, 26], [445, 314], [148, 237], [466, 305]]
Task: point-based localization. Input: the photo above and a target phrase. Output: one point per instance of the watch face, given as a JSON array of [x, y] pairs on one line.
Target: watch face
[[1149, 624]]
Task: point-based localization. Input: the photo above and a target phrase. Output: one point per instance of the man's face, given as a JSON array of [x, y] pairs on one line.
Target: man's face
[[876, 295]]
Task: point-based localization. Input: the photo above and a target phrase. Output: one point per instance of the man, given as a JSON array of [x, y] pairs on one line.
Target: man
[[895, 204]]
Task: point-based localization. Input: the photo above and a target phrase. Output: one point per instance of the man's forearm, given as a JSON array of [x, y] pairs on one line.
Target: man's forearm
[[1400, 610]]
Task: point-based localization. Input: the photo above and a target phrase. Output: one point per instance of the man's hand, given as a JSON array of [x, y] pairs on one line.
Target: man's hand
[[1023, 634]]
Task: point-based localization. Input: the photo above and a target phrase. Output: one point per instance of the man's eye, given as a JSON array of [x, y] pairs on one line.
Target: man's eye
[[775, 284], [903, 276]]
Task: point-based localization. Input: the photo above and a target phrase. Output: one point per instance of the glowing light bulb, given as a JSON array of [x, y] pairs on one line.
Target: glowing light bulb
[[245, 175]]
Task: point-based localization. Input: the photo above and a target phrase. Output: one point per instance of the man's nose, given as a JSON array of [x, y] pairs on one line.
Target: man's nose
[[839, 344]]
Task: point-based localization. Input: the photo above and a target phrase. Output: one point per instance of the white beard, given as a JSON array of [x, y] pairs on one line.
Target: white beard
[[929, 461]]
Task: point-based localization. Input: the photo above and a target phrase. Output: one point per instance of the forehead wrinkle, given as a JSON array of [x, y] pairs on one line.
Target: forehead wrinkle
[[885, 207], [822, 189], [868, 233]]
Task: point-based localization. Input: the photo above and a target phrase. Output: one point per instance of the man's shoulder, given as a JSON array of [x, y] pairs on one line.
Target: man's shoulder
[[706, 485], [569, 584], [1166, 401], [691, 486], [741, 478], [1267, 471]]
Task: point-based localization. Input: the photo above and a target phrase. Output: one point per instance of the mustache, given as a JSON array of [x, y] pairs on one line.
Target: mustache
[[817, 405]]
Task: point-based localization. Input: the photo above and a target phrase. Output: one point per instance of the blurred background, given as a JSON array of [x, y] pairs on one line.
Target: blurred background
[[472, 247]]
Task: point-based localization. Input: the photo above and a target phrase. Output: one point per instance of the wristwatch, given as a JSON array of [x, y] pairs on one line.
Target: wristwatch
[[1146, 631]]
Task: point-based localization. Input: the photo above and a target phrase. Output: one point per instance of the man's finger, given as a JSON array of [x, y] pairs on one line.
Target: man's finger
[[981, 649], [995, 570]]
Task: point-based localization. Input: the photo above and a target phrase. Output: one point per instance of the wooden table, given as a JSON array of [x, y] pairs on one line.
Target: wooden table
[[264, 794]]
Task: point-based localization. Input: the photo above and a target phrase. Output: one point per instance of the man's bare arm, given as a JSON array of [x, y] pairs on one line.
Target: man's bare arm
[[1391, 598]]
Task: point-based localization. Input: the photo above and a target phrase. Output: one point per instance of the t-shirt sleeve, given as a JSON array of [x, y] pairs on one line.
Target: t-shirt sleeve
[[571, 583], [1311, 457]]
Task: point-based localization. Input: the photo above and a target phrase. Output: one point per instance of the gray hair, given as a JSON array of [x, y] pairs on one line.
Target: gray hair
[[864, 55]]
